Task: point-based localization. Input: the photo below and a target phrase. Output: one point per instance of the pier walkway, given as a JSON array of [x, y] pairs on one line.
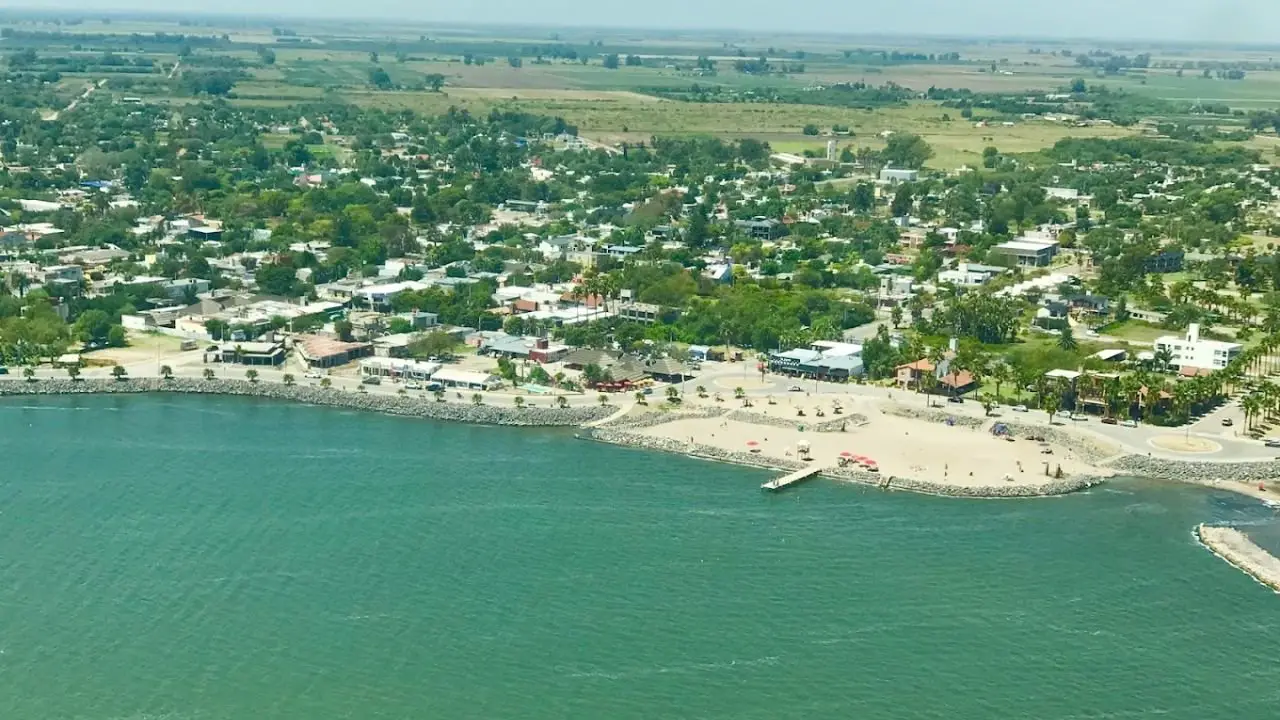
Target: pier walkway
[[794, 478]]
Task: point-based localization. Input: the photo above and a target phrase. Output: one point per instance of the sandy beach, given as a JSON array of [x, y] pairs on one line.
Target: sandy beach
[[932, 452]]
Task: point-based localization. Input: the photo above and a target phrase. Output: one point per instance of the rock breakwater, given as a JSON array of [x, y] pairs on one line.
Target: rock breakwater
[[1199, 472], [409, 406], [1236, 548]]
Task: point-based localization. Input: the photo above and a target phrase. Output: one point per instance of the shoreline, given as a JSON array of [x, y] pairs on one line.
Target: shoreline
[[1244, 554], [622, 426], [403, 406], [638, 432]]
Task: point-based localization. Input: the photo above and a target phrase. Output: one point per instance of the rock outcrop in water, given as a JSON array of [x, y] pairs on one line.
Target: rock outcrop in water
[[410, 406]]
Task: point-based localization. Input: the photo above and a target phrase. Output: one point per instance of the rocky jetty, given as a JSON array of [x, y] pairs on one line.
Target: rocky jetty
[[1199, 472], [1236, 548], [410, 406], [1092, 450], [937, 415], [835, 424]]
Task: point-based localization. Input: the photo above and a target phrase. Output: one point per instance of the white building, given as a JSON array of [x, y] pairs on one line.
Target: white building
[[1191, 351], [965, 276]]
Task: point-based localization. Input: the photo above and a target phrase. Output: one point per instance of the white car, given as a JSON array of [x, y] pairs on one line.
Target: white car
[[1271, 442], [413, 386], [313, 376], [1019, 408]]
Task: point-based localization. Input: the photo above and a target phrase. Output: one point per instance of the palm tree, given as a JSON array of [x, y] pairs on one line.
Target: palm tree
[[208, 373], [562, 402], [166, 372], [73, 371], [640, 399], [988, 404], [325, 382], [1163, 359], [477, 399], [438, 395], [1052, 403], [604, 399], [29, 373], [1001, 373], [1252, 405], [519, 401], [673, 394], [701, 390], [118, 372], [739, 393], [251, 375], [1067, 340]]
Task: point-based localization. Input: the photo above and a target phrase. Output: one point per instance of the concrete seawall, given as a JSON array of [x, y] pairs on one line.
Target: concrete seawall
[[409, 406], [1236, 548]]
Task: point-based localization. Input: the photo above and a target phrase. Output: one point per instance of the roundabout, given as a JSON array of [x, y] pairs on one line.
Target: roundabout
[[1189, 444]]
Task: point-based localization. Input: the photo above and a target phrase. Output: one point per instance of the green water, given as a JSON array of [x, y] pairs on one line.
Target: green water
[[222, 558]]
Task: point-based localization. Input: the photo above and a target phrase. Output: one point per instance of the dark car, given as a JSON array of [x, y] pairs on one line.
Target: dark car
[[955, 399]]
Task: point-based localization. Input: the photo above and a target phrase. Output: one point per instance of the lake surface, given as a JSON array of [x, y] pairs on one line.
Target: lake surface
[[182, 557]]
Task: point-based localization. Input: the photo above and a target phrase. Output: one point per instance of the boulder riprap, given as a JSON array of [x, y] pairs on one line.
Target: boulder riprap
[[411, 406]]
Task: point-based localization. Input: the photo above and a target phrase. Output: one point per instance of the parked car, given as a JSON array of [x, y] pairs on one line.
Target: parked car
[[313, 375], [372, 380], [1272, 442], [1019, 408], [1227, 422], [413, 386], [1110, 421], [4, 370], [954, 399], [795, 388]]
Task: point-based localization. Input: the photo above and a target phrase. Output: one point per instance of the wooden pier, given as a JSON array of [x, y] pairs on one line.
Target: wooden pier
[[794, 478]]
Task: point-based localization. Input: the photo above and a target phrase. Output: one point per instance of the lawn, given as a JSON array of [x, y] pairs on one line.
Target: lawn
[[1134, 331]]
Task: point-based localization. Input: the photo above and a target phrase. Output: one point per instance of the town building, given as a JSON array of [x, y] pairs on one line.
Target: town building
[[251, 353], [895, 176], [318, 351], [1191, 350], [1027, 253], [760, 227]]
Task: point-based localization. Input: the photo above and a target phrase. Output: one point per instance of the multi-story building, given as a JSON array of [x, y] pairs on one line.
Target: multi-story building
[[1191, 351]]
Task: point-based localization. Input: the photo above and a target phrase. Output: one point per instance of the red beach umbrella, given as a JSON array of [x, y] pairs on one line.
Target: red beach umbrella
[[847, 454], [752, 443]]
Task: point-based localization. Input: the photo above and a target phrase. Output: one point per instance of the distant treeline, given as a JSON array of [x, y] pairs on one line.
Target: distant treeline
[[131, 40], [848, 95], [881, 57]]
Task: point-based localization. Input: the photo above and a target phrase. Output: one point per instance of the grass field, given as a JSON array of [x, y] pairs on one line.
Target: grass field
[[621, 116]]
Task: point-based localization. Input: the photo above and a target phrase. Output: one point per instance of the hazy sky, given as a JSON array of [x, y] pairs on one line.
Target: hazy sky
[[1216, 20]]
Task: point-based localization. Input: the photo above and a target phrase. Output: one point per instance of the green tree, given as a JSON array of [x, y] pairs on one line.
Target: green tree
[[1067, 339], [251, 375], [208, 373], [289, 379], [166, 372], [477, 399], [905, 150], [92, 326], [1051, 403], [29, 373], [73, 372], [118, 372]]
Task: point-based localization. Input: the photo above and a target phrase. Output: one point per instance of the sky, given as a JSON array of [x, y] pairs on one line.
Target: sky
[[1234, 21]]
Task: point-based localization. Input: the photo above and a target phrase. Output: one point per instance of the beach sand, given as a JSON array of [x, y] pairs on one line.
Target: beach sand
[[902, 447]]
